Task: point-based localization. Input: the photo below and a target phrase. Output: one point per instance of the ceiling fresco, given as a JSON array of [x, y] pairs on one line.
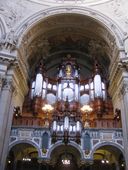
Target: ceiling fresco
[[59, 35]]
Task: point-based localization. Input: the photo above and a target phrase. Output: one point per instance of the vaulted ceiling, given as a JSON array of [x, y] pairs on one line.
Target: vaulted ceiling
[[81, 36]]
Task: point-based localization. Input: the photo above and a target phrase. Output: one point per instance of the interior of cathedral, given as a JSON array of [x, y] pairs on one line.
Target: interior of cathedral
[[68, 96], [68, 115]]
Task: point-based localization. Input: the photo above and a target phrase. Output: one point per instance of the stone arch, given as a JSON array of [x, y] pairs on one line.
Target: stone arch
[[109, 32], [105, 21], [106, 144], [73, 144], [27, 142]]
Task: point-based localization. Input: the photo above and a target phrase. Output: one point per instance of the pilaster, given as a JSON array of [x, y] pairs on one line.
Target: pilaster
[[123, 96], [119, 92], [6, 115], [1, 82]]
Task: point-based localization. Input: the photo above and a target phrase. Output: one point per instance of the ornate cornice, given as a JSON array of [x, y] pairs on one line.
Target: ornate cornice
[[7, 61]]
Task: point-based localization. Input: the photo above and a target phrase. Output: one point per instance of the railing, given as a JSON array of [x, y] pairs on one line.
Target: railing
[[28, 122], [101, 134], [105, 124], [38, 122]]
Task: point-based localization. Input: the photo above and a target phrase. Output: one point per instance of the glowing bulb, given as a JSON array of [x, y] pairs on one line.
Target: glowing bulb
[[103, 161], [86, 108], [107, 161], [66, 161], [47, 108]]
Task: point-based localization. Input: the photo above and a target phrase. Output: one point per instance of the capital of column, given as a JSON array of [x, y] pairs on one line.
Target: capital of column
[[123, 64], [8, 84], [9, 42], [124, 87]]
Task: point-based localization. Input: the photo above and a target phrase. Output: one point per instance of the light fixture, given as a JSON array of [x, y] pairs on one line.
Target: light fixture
[[47, 108], [26, 159], [122, 164], [66, 159], [86, 108], [105, 161]]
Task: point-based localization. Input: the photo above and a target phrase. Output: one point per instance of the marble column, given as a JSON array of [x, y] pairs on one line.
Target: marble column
[[6, 115], [124, 116]]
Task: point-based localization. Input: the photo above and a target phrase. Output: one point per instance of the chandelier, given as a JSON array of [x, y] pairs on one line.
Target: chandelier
[[66, 159]]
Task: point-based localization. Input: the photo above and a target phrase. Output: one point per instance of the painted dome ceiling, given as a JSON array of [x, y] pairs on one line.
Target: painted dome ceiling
[[80, 36]]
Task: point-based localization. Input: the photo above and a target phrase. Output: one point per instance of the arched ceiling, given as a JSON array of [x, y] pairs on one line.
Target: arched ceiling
[[23, 150], [109, 151], [81, 36]]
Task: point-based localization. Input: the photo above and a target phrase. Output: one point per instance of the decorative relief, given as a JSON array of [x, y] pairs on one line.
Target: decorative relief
[[25, 134], [95, 142], [119, 9], [40, 46], [8, 84], [12, 139], [9, 41], [12, 12], [97, 47], [123, 64], [7, 61], [116, 5], [107, 136], [120, 142], [37, 140]]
